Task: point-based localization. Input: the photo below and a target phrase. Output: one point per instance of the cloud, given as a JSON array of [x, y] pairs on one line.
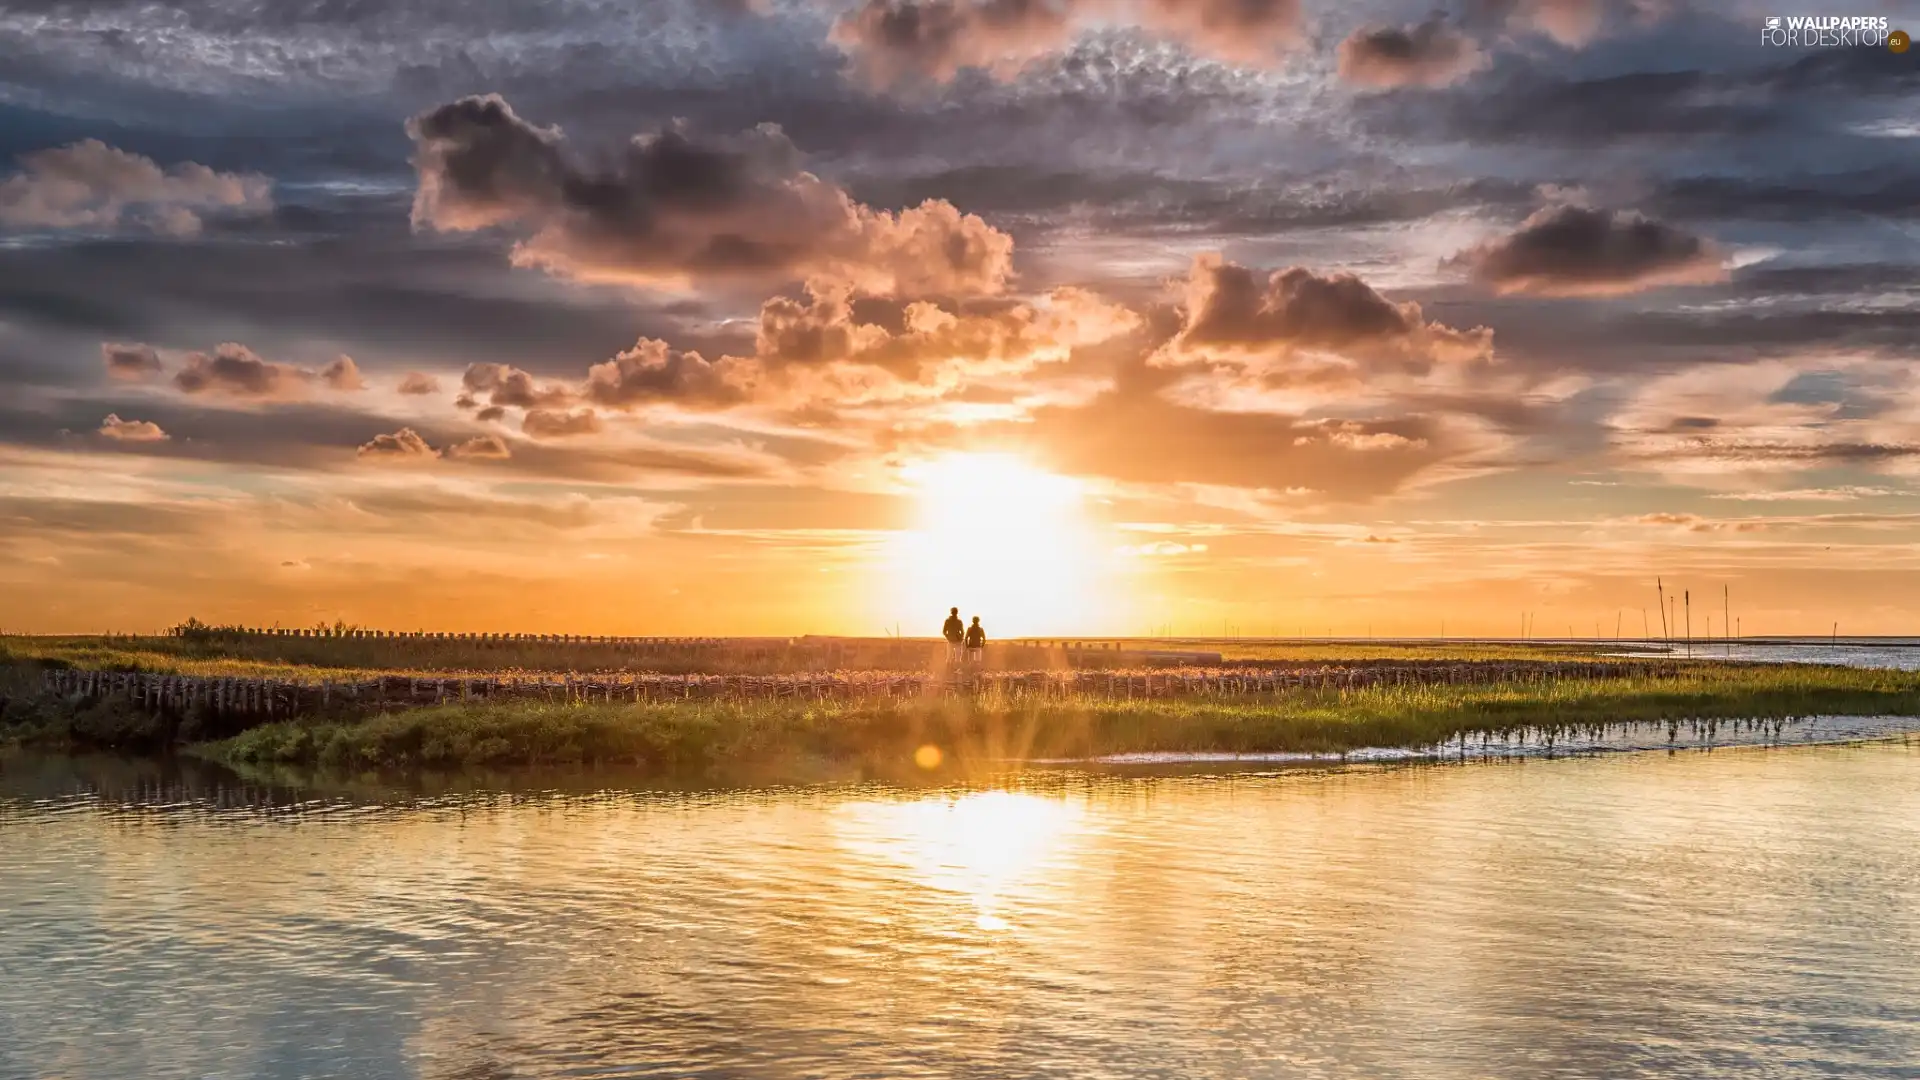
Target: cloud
[[130, 362], [1844, 493], [1230, 310], [90, 185], [1429, 54], [901, 41], [1251, 32], [506, 386], [896, 41], [545, 424], [1571, 23], [343, 374], [131, 430], [1582, 251], [1698, 524], [672, 208], [1134, 435], [487, 447], [416, 384], [237, 371], [652, 372], [1165, 549], [401, 446], [926, 340]]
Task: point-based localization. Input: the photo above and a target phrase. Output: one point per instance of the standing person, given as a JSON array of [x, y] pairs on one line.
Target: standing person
[[976, 641], [954, 631]]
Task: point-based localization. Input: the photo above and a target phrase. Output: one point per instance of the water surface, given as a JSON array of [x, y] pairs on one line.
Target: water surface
[[1739, 913]]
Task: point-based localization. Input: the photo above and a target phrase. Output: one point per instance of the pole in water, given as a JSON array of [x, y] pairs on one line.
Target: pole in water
[[1688, 594], [1660, 589]]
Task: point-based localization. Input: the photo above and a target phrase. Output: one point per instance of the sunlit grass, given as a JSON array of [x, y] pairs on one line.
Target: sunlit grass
[[312, 660], [707, 735]]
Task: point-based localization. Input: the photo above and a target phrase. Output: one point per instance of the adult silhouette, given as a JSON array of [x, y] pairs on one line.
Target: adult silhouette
[[955, 632]]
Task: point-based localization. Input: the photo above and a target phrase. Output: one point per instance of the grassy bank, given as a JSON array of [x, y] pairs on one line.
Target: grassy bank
[[316, 659], [698, 735]]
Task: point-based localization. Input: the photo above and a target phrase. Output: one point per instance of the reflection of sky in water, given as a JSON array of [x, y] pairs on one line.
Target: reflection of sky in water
[[1725, 914], [1901, 654]]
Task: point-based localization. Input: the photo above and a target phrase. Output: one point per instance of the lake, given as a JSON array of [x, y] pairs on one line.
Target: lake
[[1733, 913]]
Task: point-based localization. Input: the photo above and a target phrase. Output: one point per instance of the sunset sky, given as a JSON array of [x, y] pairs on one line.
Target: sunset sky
[[1092, 316]]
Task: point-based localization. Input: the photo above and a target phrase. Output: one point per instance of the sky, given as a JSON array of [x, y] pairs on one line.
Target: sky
[[1086, 316]]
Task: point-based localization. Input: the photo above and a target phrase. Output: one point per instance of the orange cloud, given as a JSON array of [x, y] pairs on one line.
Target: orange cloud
[[415, 383], [131, 430], [404, 445]]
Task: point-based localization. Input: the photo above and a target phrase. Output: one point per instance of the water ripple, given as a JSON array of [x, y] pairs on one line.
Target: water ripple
[[1684, 915]]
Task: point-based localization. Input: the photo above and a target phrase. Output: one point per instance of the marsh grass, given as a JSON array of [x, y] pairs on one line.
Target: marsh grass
[[315, 659], [710, 735]]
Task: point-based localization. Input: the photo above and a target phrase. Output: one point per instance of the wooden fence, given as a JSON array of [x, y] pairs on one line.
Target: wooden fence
[[271, 699]]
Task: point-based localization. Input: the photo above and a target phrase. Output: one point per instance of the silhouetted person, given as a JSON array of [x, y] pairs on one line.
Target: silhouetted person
[[954, 631], [976, 641]]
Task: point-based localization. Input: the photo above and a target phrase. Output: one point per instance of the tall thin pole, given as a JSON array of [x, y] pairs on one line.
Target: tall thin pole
[[1661, 588], [1688, 595], [1726, 616], [1645, 629]]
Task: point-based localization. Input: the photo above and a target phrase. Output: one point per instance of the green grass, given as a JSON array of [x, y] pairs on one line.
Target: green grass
[[715, 735]]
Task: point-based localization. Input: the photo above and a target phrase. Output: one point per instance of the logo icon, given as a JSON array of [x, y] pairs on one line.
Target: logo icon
[[1898, 41], [1773, 22]]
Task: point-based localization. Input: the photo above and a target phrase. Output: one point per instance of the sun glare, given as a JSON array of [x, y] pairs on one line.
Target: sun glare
[[987, 850], [1001, 539]]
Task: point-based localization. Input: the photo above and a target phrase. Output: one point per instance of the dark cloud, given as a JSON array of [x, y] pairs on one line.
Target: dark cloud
[[1431, 53], [130, 362], [357, 279], [403, 445], [1885, 192], [237, 371], [90, 185], [1582, 251], [507, 386], [1810, 97], [130, 430], [674, 207], [1232, 309]]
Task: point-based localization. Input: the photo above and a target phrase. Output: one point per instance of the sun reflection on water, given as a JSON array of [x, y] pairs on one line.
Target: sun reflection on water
[[984, 850]]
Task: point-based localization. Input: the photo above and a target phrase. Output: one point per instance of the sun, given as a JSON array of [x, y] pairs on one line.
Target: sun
[[1000, 539]]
